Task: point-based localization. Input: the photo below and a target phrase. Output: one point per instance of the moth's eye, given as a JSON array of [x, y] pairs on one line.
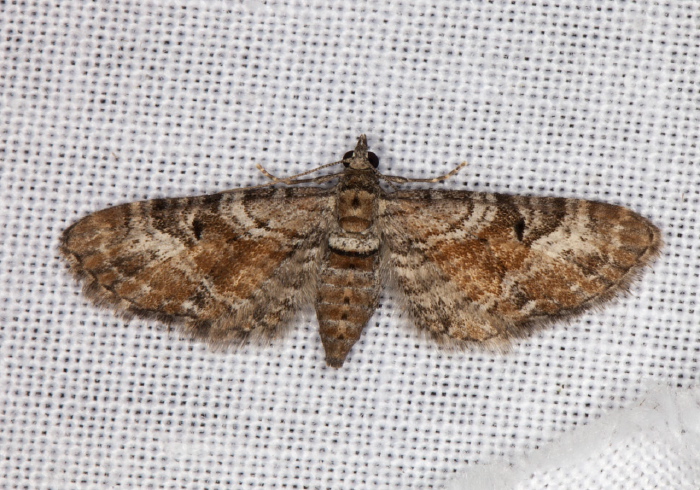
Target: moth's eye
[[373, 159], [346, 156]]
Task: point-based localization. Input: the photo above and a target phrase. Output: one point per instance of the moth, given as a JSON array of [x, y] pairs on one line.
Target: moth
[[471, 267]]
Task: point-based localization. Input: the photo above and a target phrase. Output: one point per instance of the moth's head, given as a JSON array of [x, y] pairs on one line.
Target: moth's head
[[360, 158]]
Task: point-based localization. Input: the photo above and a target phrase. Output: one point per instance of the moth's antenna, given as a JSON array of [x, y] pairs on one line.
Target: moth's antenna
[[391, 184], [293, 178], [399, 179]]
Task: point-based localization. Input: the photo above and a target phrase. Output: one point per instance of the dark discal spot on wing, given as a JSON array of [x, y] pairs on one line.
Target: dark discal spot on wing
[[519, 229], [548, 216], [197, 228], [162, 215]]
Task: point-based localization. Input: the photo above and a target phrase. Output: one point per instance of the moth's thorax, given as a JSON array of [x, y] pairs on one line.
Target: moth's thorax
[[358, 193]]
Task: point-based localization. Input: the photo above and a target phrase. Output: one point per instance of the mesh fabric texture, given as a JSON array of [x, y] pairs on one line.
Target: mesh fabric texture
[[105, 103]]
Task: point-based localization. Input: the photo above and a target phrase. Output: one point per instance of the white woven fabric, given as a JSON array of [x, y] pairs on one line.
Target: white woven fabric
[[110, 102]]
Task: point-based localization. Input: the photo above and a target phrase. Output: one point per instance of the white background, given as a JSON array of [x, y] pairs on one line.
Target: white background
[[109, 102]]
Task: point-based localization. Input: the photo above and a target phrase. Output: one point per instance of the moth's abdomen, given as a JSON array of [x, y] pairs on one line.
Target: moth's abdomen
[[347, 297], [348, 287]]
